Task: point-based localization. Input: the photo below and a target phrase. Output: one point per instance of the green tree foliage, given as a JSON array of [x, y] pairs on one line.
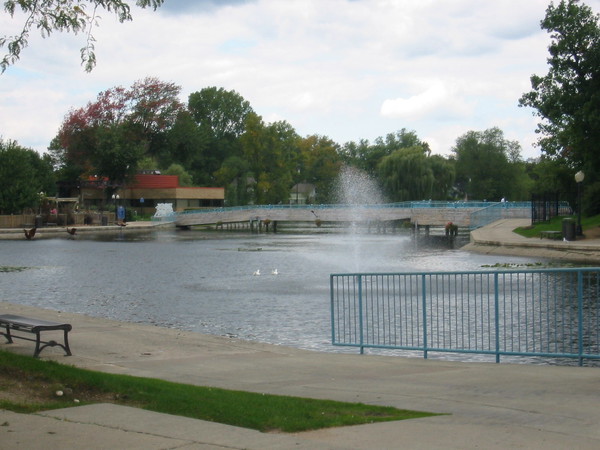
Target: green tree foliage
[[411, 174], [185, 179], [235, 176], [116, 154], [271, 152], [367, 157], [23, 175], [567, 98], [320, 164], [186, 145], [488, 166], [444, 175], [550, 175], [220, 116], [63, 15]]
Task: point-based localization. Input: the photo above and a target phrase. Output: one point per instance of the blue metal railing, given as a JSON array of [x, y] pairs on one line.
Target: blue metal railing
[[544, 312], [497, 211], [408, 205]]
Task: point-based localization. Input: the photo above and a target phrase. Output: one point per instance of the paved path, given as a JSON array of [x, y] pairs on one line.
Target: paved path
[[492, 406], [499, 238], [53, 232]]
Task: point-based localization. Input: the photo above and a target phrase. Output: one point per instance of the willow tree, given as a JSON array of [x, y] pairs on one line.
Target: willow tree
[[407, 174]]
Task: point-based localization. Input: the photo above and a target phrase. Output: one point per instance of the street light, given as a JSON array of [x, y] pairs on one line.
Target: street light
[[579, 176], [115, 198]]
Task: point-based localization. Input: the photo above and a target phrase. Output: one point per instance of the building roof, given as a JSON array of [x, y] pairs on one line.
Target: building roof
[[147, 181]]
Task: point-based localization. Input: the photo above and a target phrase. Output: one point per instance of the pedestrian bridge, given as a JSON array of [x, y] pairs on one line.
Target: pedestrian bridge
[[463, 214]]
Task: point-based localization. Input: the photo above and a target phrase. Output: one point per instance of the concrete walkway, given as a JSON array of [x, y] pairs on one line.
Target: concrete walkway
[[53, 232], [498, 238], [491, 406]]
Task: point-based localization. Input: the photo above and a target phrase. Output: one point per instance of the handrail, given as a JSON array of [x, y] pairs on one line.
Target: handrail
[[537, 312], [407, 205]]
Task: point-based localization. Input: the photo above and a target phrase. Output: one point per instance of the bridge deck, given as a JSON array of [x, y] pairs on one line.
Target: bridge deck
[[423, 213]]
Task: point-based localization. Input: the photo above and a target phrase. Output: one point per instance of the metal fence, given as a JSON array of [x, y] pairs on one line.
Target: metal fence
[[546, 312], [408, 205], [500, 210]]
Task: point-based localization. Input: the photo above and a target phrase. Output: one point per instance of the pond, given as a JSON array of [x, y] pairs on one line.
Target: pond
[[205, 281]]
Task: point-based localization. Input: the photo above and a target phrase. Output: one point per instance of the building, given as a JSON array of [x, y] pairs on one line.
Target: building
[[148, 190]]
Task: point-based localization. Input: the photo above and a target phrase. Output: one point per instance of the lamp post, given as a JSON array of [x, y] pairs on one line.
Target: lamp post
[[579, 176], [115, 198], [298, 186]]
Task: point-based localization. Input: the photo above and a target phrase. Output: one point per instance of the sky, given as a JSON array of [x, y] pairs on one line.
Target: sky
[[345, 69]]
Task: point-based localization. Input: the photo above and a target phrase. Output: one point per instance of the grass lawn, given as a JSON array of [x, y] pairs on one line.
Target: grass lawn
[[590, 225], [28, 385]]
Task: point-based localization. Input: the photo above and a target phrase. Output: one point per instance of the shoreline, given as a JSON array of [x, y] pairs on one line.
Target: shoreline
[[497, 238], [45, 232], [583, 256]]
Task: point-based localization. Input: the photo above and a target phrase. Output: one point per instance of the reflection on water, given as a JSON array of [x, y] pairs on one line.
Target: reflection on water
[[203, 281]]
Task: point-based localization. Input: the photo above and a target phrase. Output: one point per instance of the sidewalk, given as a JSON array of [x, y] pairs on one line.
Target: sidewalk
[[493, 406], [17, 233], [498, 238]]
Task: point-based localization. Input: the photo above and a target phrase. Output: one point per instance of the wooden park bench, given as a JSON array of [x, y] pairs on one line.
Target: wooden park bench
[[551, 234], [10, 322]]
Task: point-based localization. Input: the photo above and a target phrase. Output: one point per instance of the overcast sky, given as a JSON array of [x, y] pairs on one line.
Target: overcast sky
[[346, 69]]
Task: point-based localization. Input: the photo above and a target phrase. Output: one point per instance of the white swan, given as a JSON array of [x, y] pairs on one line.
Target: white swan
[[274, 272], [256, 273]]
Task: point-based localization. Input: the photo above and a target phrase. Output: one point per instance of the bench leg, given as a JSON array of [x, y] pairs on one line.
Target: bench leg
[[38, 348], [7, 335], [66, 346], [37, 351]]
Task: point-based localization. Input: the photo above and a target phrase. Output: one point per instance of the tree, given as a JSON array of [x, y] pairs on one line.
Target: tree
[[135, 121], [567, 98], [23, 175], [116, 155], [488, 166], [221, 117], [320, 165], [407, 174], [185, 179], [270, 150], [186, 145], [64, 15], [367, 156], [234, 175]]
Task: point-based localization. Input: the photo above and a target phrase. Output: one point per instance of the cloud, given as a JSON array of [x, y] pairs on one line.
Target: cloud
[[190, 6], [345, 69], [437, 100]]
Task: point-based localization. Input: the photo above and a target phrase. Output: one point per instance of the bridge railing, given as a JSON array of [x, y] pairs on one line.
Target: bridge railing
[[499, 210], [409, 205], [545, 312]]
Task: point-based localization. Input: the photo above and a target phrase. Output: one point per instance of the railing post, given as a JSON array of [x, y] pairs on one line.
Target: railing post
[[360, 316], [497, 316], [424, 306], [580, 315], [331, 292]]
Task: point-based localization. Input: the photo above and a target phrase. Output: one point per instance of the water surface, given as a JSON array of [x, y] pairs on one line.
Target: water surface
[[203, 281]]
